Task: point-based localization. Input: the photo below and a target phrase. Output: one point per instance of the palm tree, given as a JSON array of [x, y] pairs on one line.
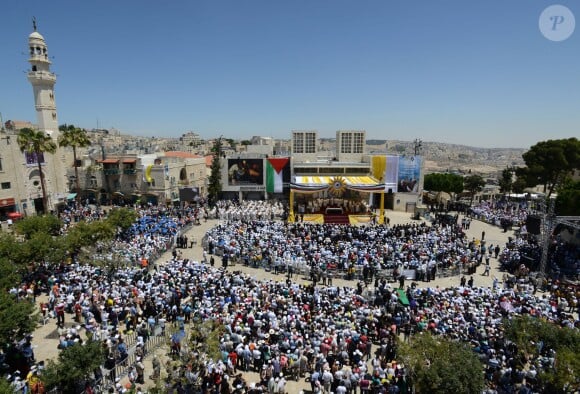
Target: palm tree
[[37, 142], [76, 138]]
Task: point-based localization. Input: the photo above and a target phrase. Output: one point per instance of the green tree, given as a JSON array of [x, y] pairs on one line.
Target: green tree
[[506, 180], [88, 235], [519, 184], [37, 142], [568, 199], [474, 184], [122, 218], [9, 248], [29, 226], [6, 386], [449, 183], [76, 138], [439, 365], [532, 334], [246, 142], [550, 162], [215, 177], [75, 365], [42, 247], [17, 317]]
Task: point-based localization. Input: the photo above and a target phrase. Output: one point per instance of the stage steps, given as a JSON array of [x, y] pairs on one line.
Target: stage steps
[[336, 219]]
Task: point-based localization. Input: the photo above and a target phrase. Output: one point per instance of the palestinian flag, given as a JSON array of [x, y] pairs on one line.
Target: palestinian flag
[[274, 167]]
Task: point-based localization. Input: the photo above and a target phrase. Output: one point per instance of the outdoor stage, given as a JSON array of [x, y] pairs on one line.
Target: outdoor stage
[[334, 199]]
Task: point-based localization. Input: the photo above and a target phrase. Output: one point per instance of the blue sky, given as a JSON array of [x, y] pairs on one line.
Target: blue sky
[[466, 72]]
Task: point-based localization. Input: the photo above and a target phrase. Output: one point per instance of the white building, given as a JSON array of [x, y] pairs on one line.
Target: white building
[[21, 192]]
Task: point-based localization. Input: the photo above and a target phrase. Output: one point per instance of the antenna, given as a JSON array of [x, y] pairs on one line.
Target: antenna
[[418, 143]]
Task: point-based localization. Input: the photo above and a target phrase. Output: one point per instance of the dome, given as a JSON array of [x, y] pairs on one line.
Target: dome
[[36, 35]]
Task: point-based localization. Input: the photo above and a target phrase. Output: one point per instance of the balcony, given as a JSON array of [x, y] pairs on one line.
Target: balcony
[[111, 171], [129, 171]]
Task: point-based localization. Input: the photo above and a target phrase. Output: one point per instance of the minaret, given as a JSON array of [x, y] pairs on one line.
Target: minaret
[[42, 81]]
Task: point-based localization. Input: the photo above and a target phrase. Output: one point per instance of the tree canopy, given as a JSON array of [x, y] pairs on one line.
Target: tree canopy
[[46, 224], [506, 180], [76, 138], [122, 218], [550, 162], [534, 336], [474, 184], [449, 183], [215, 177], [568, 200], [17, 317], [439, 365], [74, 366]]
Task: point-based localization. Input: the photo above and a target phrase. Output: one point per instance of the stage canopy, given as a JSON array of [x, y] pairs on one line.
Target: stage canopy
[[335, 184]]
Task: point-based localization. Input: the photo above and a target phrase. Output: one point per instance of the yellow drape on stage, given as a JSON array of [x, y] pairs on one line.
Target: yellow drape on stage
[[291, 216], [378, 166]]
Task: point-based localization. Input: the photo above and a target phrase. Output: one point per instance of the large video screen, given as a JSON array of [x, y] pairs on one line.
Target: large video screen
[[245, 172]]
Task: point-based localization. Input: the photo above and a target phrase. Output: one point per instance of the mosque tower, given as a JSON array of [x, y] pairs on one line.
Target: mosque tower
[[43, 80]]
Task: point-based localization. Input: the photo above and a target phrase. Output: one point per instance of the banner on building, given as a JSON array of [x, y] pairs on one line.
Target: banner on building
[[386, 170], [409, 174], [275, 174]]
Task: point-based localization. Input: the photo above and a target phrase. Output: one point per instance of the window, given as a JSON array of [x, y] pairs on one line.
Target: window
[[359, 143], [310, 143], [1, 169], [305, 170], [346, 142], [298, 143], [5, 185]]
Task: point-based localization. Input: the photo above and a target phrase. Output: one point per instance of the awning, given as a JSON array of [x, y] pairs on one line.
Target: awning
[[109, 161], [6, 202], [118, 193], [71, 196], [14, 215], [129, 161], [313, 184]]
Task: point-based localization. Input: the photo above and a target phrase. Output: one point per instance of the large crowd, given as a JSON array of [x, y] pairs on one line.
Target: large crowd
[[342, 338], [299, 247], [501, 213]]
